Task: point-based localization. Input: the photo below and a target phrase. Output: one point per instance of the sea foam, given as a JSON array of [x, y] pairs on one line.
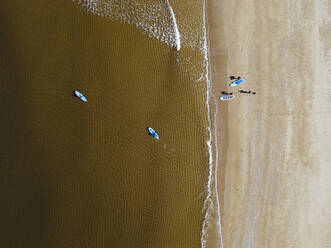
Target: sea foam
[[212, 193], [177, 35], [155, 18]]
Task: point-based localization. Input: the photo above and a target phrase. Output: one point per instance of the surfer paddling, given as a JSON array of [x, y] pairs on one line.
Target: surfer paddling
[[79, 95], [153, 133]]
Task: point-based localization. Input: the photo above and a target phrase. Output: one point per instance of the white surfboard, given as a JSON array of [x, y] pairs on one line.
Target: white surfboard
[[225, 98]]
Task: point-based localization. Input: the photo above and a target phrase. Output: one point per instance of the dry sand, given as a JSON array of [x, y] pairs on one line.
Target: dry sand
[[274, 169]]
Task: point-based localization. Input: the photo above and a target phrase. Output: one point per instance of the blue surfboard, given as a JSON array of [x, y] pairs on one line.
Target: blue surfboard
[[237, 82]]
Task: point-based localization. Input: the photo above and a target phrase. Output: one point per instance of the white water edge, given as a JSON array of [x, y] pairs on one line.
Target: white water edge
[[212, 174]]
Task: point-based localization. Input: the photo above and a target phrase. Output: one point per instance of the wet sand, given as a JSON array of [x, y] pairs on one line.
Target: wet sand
[[273, 148], [77, 174]]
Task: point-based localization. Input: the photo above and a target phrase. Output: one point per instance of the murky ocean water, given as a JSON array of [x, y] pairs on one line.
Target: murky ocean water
[[78, 174]]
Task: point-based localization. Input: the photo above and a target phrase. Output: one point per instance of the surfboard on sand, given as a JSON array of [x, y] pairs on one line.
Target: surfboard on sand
[[235, 83], [225, 98]]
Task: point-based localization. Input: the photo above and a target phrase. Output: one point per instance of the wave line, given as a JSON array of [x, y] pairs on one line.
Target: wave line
[[209, 203], [177, 35]]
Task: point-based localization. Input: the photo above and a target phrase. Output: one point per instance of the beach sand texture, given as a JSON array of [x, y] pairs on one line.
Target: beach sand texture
[[77, 174], [274, 175]]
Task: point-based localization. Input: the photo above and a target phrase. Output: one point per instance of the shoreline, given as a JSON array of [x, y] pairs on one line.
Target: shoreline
[[216, 53]]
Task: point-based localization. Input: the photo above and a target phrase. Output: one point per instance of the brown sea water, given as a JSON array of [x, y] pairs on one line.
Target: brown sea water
[[77, 174]]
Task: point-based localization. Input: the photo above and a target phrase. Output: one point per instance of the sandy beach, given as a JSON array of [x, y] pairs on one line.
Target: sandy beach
[[273, 147]]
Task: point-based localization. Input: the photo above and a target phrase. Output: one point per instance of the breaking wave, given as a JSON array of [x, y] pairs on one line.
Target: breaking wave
[[155, 18]]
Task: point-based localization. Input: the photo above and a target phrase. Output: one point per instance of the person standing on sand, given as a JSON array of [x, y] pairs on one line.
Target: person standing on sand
[[234, 77]]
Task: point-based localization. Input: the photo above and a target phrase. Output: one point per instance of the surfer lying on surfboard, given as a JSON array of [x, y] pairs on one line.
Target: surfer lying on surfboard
[[247, 92], [79, 95], [153, 133]]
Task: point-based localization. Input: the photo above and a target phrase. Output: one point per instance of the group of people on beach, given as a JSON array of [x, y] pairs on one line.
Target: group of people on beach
[[240, 91]]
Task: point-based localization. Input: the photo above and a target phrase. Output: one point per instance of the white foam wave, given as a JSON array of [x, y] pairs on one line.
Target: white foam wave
[[177, 35], [218, 206], [156, 18]]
